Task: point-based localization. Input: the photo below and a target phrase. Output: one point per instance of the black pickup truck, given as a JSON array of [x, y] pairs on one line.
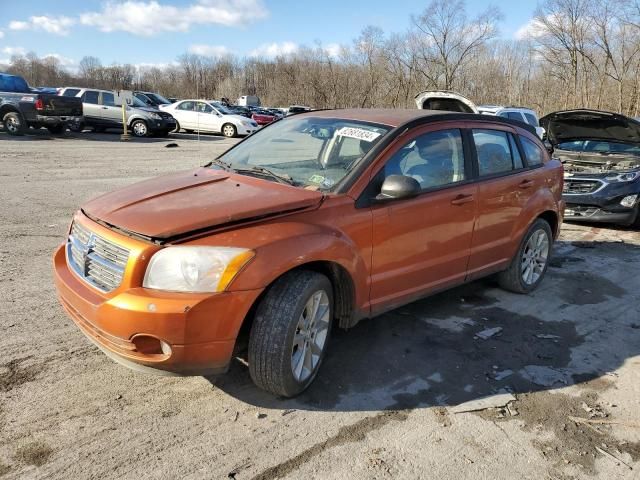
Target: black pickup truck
[[22, 107]]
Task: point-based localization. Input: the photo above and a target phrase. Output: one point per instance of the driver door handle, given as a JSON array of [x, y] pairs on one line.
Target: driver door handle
[[525, 184], [462, 199]]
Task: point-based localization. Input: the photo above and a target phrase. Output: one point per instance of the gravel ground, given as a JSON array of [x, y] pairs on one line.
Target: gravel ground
[[384, 405]]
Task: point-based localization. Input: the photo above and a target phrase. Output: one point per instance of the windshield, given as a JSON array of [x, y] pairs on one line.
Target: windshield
[[600, 146], [222, 109], [138, 103], [314, 153], [156, 97]]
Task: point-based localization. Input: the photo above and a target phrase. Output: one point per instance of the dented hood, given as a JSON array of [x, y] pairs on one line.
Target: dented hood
[[572, 125], [177, 204]]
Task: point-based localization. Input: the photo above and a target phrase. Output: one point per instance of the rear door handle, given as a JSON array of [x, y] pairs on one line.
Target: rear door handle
[[462, 199], [525, 184]]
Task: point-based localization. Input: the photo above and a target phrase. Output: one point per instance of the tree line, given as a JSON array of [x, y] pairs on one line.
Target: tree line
[[573, 54]]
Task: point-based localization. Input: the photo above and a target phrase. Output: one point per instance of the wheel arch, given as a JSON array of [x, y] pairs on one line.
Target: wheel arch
[[7, 108]]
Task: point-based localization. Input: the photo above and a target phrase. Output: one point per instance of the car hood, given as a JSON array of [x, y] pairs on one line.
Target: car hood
[[445, 100], [178, 204], [237, 118], [590, 125]]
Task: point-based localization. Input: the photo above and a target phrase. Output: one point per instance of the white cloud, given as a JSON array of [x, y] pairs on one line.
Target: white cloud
[[65, 62], [333, 50], [209, 50], [55, 25], [14, 51], [532, 29], [1, 34], [147, 18], [274, 49]]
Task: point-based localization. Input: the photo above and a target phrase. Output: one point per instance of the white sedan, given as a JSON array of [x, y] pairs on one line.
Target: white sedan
[[205, 116]]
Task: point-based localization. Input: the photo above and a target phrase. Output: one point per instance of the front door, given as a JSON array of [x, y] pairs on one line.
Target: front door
[[91, 109], [423, 244], [208, 119]]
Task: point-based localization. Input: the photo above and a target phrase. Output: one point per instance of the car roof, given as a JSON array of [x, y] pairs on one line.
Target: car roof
[[399, 117]]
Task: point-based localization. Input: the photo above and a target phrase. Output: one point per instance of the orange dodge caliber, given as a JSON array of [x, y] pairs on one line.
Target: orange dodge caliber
[[322, 218]]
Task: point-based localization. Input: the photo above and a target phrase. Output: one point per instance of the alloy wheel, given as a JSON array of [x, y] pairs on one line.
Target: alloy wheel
[[535, 256], [310, 336]]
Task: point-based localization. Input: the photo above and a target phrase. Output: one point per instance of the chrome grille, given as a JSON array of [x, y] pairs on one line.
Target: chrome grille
[[96, 260], [581, 187]]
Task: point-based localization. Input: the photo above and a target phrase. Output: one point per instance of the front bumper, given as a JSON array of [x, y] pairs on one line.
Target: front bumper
[[244, 130], [604, 204], [161, 125], [200, 329]]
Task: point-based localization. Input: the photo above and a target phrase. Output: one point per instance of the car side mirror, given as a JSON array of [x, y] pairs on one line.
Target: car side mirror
[[397, 187], [549, 146]]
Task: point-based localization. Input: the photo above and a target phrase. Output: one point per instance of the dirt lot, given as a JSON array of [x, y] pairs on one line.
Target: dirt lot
[[382, 407]]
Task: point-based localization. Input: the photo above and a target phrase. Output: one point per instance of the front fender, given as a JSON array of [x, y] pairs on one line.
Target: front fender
[[291, 245]]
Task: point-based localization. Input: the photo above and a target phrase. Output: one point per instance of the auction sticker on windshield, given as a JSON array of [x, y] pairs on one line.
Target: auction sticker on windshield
[[358, 133]]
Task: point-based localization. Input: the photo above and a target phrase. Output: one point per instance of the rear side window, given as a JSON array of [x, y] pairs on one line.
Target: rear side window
[[10, 83], [186, 106], [71, 92], [531, 119], [532, 152], [107, 99], [496, 152], [90, 96]]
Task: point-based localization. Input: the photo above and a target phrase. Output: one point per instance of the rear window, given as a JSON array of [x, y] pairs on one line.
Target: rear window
[[532, 152], [531, 119], [90, 96], [497, 152], [70, 92]]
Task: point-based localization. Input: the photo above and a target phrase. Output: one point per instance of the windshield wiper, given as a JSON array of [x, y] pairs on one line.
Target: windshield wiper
[[265, 172], [224, 165]]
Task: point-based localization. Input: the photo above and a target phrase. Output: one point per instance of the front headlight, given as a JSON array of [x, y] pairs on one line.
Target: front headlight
[[623, 177], [195, 269], [155, 116], [246, 123]]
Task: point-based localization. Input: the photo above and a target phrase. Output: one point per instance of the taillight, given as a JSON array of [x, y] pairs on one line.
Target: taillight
[[39, 104]]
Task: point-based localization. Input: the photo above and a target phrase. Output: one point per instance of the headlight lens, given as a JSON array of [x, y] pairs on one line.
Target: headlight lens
[[195, 269], [246, 124], [155, 116], [623, 177]]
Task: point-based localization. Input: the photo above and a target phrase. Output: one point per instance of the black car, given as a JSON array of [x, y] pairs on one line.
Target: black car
[[601, 156], [239, 110]]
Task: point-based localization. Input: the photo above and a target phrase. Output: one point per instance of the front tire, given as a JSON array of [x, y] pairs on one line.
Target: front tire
[[529, 265], [290, 332], [229, 130], [14, 124], [139, 128]]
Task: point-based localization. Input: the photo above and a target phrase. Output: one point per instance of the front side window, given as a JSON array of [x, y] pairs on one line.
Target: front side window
[[434, 159], [532, 152], [309, 152], [204, 108], [515, 116], [496, 152], [91, 96]]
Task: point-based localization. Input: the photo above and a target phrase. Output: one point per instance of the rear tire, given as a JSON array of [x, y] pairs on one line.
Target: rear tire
[[530, 263], [14, 124], [177, 129], [57, 129], [290, 333], [76, 127]]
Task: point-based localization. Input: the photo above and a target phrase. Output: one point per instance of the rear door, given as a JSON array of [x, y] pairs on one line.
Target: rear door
[[504, 188], [423, 244], [91, 108], [186, 115]]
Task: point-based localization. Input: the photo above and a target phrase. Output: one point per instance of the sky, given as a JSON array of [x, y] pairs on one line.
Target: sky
[[157, 32]]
